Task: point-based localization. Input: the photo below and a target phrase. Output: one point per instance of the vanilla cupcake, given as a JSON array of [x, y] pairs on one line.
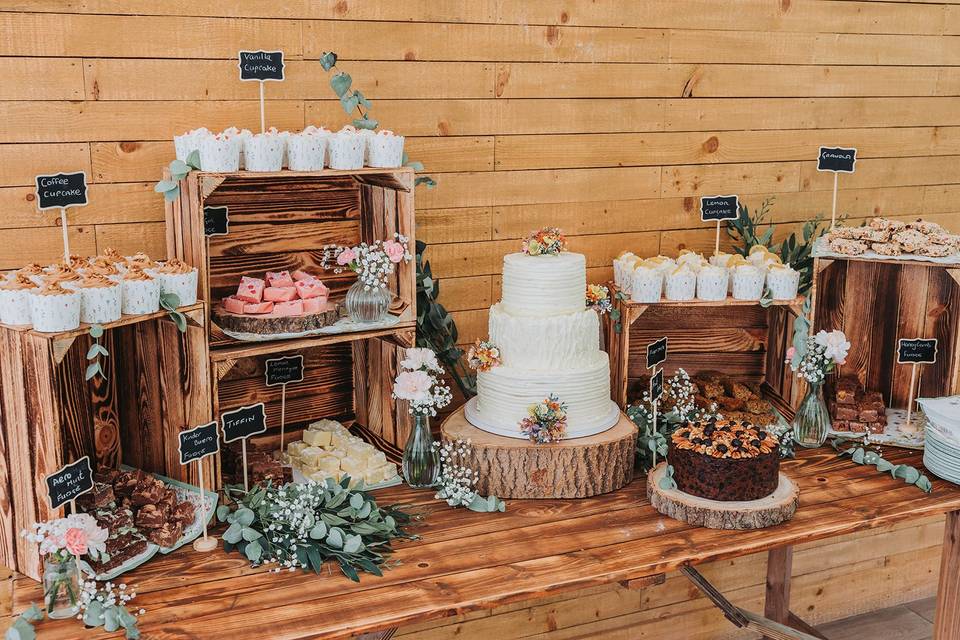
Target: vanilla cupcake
[[177, 277], [15, 300], [220, 153], [33, 271], [346, 149], [141, 293], [384, 149], [264, 151], [103, 266], [99, 299], [783, 282], [66, 276], [748, 282], [306, 151], [189, 142], [681, 283], [712, 283], [55, 308], [646, 283]]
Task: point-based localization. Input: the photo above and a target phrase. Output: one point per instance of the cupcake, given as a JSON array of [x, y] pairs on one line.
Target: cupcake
[[105, 267], [619, 268], [55, 308], [33, 271], [306, 151], [732, 263], [384, 149], [681, 283], [141, 293], [664, 264], [15, 300], [220, 153], [345, 149], [116, 258], [189, 142], [748, 282], [720, 259], [264, 151], [78, 263], [66, 276], [99, 299], [694, 260], [143, 262], [176, 276], [712, 283], [783, 282], [646, 283]]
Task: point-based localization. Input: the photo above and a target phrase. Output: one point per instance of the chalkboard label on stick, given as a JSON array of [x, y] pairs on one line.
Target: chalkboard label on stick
[[284, 370], [261, 65], [656, 352], [216, 221], [837, 159], [199, 442], [69, 482], [656, 386], [916, 351], [61, 190], [716, 208], [244, 422]]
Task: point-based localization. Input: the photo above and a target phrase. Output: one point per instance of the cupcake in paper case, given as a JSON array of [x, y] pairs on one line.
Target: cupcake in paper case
[[712, 283], [681, 283], [176, 276], [384, 149], [646, 283], [220, 153], [189, 142], [345, 149], [15, 300], [748, 282], [105, 267], [66, 276], [663, 264], [720, 259], [619, 264], [143, 262], [141, 293], [307, 151], [783, 282], [99, 299], [33, 271], [264, 152], [692, 259], [54, 308]]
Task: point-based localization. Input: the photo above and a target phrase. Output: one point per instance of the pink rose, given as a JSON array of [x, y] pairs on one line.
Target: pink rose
[[394, 250], [76, 541], [792, 351], [346, 257]]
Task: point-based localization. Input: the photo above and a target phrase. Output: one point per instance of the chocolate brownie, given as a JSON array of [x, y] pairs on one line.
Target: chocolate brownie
[[184, 513], [99, 497], [150, 516], [167, 535]]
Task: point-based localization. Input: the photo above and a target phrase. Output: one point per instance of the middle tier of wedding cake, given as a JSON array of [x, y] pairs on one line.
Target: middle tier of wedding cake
[[548, 343]]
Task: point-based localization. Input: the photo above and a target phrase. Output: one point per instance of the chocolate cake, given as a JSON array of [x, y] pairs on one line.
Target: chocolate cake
[[726, 460]]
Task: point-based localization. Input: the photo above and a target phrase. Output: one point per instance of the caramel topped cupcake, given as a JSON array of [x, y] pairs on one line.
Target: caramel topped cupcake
[[18, 283], [141, 260], [77, 262], [96, 281], [725, 439], [175, 266], [137, 273], [114, 256], [63, 273], [32, 269], [53, 288], [104, 266]]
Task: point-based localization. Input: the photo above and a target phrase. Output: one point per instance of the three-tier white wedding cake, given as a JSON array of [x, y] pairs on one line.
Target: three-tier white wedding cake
[[549, 344]]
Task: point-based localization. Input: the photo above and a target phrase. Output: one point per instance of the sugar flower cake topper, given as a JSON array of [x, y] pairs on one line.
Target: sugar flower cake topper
[[547, 421], [483, 356], [546, 241]]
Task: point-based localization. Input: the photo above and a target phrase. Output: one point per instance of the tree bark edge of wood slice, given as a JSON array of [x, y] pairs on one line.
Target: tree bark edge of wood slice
[[775, 509], [519, 469], [270, 325]]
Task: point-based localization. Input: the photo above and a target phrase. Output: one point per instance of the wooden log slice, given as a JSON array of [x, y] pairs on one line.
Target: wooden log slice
[[576, 468], [268, 324], [776, 508]]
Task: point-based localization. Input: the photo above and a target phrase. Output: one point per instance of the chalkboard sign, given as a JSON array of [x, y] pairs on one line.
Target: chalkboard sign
[[916, 351], [284, 370], [198, 443], [836, 159], [69, 482], [715, 208], [216, 221], [656, 352], [656, 386], [261, 65], [244, 422], [61, 190]]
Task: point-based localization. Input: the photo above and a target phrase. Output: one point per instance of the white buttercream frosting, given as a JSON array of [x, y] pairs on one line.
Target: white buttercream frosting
[[544, 285], [550, 343]]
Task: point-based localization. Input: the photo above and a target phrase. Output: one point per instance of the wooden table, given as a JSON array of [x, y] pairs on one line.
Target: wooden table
[[467, 561]]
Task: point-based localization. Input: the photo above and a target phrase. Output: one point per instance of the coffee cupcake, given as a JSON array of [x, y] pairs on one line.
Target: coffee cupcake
[[65, 275], [176, 276], [346, 149], [143, 262], [99, 299], [15, 300], [55, 308], [141, 293], [103, 266], [748, 282], [33, 271]]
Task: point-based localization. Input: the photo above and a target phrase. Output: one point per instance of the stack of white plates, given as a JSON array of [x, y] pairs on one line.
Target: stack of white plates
[[941, 454]]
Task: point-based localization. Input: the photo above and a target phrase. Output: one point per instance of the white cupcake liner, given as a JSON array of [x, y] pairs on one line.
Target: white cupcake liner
[[748, 285], [306, 151], [188, 143], [263, 152], [345, 151], [99, 305], [646, 285], [220, 154], [712, 285], [681, 286], [783, 283], [384, 151], [140, 296], [55, 313], [15, 306], [182, 284]]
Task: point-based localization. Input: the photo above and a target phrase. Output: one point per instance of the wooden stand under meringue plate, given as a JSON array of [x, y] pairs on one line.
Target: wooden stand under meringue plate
[[576, 468]]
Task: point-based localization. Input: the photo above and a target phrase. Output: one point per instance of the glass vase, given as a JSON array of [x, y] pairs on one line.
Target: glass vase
[[811, 424], [61, 587], [421, 461], [367, 305]]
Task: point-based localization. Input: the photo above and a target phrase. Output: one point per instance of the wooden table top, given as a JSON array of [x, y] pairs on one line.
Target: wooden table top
[[468, 561]]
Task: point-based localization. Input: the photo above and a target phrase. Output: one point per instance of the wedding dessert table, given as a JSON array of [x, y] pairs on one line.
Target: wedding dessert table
[[466, 561]]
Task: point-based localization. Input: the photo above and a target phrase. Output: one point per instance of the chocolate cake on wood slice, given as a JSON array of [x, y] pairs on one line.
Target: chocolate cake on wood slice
[[269, 324]]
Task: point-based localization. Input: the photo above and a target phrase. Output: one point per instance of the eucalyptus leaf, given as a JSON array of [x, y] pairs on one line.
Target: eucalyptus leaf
[[180, 320], [349, 103], [194, 159], [179, 167], [340, 83], [253, 551], [923, 483], [858, 455], [92, 369], [172, 194], [364, 511], [164, 185], [169, 301], [32, 614], [96, 331], [415, 165], [234, 533], [328, 60], [883, 465], [319, 531], [111, 622], [222, 511], [356, 500], [365, 123], [353, 544], [245, 516], [250, 534], [335, 538], [93, 616]]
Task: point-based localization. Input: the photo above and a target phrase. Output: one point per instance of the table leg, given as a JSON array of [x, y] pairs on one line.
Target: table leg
[[777, 599], [946, 624]]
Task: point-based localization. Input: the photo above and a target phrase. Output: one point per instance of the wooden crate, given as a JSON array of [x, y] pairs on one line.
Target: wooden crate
[[876, 302], [157, 382], [740, 339]]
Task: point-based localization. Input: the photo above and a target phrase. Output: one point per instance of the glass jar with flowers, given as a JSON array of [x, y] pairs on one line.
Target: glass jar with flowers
[[816, 357], [419, 383], [368, 299]]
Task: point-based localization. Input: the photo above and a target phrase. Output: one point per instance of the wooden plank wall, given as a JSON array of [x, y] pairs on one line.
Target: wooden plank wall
[[605, 118]]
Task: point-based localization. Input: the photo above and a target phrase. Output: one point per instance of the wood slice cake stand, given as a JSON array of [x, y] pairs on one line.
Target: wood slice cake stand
[[577, 468], [267, 324], [776, 508]]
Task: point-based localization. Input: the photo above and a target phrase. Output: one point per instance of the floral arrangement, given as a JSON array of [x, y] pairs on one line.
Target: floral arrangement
[[455, 484], [483, 356], [547, 421], [818, 355], [304, 525], [598, 297], [107, 607], [546, 241], [419, 382], [75, 535], [373, 263]]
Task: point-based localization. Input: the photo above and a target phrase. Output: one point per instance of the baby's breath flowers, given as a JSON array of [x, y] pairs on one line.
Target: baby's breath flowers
[[457, 479], [373, 263], [419, 383], [819, 355], [106, 606]]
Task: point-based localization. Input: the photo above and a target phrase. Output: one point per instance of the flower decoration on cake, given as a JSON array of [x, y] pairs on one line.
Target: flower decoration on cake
[[419, 383], [598, 297], [373, 263], [483, 356], [547, 421], [547, 241]]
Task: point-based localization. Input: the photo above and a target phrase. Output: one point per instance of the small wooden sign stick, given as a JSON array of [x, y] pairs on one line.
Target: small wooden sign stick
[[716, 248], [243, 449], [283, 413], [913, 384], [656, 401], [833, 215], [66, 237], [263, 121], [205, 543]]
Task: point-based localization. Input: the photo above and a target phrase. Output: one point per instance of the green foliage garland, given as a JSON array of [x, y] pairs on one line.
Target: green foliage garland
[[861, 454]]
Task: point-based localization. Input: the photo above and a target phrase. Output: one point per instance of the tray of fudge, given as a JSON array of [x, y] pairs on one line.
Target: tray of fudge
[[329, 450], [885, 239], [857, 412], [145, 514]]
